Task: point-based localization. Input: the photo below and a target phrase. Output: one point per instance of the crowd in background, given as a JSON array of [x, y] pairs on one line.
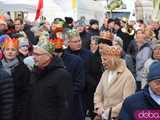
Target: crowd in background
[[68, 69]]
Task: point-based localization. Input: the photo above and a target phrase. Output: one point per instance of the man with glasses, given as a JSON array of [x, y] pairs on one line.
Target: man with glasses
[[51, 85]]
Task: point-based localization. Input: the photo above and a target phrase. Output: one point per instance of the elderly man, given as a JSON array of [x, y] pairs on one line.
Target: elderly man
[[146, 103], [51, 86]]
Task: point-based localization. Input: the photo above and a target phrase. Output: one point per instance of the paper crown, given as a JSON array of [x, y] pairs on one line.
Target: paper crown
[[58, 43], [72, 33], [111, 51], [46, 45], [8, 42]]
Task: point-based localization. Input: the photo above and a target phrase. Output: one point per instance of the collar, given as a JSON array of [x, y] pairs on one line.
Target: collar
[[121, 67], [154, 96]]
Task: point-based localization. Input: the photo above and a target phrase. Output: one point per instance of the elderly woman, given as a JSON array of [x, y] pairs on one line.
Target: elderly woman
[[115, 85]]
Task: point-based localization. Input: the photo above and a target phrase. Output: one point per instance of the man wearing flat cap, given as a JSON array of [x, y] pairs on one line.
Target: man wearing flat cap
[[144, 105]]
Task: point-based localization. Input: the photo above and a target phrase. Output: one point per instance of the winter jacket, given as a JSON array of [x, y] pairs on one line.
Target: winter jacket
[[20, 76], [86, 39], [6, 95], [75, 66], [138, 102], [90, 78], [51, 93]]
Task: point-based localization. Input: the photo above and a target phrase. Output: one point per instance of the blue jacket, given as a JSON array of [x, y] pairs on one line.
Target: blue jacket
[[140, 101]]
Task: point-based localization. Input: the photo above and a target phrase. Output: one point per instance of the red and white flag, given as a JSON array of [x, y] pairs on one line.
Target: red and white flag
[[39, 9]]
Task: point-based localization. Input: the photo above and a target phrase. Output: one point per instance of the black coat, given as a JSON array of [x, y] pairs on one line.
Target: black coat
[[86, 39], [51, 93], [18, 87], [140, 101], [6, 95], [75, 66], [21, 78], [91, 79]]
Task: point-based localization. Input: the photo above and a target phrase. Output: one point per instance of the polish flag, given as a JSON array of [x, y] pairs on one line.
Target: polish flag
[[39, 9]]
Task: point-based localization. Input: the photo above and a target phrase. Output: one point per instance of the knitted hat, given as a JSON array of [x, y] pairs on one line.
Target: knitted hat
[[154, 73]]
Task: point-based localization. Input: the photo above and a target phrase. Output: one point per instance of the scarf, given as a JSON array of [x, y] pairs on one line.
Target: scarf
[[9, 66]]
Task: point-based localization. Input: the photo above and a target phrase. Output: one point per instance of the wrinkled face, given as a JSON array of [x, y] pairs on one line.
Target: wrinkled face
[[155, 86], [24, 50], [156, 53], [75, 43], [18, 25], [41, 58], [10, 53]]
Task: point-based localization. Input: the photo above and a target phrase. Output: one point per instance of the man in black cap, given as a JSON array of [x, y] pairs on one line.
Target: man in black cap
[[146, 103]]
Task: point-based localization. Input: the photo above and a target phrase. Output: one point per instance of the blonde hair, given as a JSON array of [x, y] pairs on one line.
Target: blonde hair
[[151, 33]]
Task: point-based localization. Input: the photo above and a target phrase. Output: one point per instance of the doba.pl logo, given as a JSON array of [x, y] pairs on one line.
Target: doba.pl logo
[[147, 114]]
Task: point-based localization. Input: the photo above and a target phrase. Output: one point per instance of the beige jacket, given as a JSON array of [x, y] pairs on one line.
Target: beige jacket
[[112, 94]]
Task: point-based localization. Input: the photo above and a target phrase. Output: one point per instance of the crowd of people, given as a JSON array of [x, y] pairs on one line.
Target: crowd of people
[[70, 70]]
